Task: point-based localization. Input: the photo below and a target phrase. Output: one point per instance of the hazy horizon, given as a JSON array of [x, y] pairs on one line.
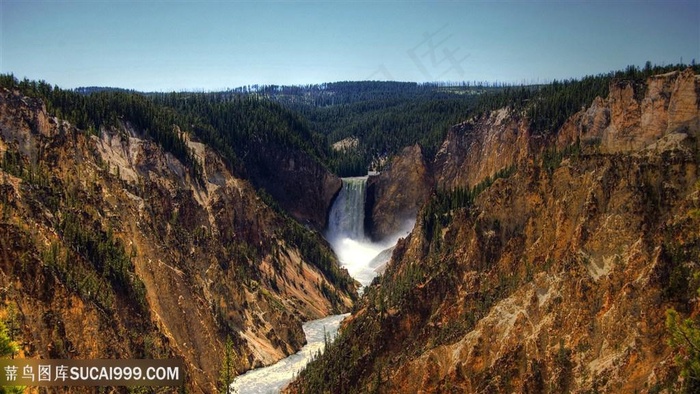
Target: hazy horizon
[[214, 46]]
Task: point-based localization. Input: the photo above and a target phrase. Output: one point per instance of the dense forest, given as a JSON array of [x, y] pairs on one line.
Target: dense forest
[[91, 113], [230, 124], [383, 117]]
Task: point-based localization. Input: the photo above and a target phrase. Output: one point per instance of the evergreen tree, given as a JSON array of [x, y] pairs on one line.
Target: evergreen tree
[[228, 370], [8, 348], [685, 339]]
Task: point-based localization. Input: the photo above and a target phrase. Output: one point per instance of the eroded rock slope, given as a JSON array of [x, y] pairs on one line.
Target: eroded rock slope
[[110, 249]]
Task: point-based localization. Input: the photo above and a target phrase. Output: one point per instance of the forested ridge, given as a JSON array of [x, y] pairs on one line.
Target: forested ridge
[[104, 231], [384, 117], [228, 123]]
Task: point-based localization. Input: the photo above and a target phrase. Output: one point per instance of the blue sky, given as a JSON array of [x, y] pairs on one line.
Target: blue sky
[[212, 45]]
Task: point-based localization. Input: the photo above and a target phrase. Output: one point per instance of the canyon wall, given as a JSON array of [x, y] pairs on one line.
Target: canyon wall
[[110, 249]]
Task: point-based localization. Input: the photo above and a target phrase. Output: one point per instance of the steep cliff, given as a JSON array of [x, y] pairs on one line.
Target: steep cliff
[[395, 196], [480, 147], [554, 276], [110, 249], [300, 184], [636, 115]]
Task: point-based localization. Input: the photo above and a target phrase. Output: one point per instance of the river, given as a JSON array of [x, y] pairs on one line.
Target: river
[[355, 252], [270, 380]]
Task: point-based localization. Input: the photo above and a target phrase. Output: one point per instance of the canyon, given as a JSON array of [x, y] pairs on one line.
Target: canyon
[[550, 262], [508, 259]]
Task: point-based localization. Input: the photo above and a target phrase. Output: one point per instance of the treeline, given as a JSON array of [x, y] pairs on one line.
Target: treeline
[[340, 93], [350, 92], [557, 102], [383, 132], [384, 116], [387, 116], [232, 124], [548, 106]]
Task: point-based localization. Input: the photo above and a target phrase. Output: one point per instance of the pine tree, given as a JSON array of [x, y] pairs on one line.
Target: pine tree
[[8, 348], [228, 371], [685, 339]]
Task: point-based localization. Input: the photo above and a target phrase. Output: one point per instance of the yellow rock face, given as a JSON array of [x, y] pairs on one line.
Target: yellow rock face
[[211, 256]]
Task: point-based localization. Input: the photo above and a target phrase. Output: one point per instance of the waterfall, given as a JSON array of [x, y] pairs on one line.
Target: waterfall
[[347, 217], [346, 232], [358, 254]]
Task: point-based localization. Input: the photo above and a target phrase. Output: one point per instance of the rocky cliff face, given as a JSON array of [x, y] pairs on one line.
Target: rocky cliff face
[[473, 151], [478, 148], [111, 250], [550, 288], [557, 277], [301, 185], [395, 196], [635, 115]]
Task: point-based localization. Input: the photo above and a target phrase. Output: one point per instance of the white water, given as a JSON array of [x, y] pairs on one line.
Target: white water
[[359, 255], [346, 232], [273, 378]]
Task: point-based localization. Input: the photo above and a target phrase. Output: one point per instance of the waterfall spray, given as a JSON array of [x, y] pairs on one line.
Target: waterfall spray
[[346, 232]]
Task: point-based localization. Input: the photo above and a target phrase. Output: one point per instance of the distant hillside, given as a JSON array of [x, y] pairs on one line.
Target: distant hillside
[[257, 139], [385, 117]]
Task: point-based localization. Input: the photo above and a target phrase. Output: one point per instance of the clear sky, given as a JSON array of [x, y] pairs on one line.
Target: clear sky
[[213, 45]]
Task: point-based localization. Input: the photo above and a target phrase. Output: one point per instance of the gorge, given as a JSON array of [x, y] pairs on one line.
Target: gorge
[[546, 242], [113, 233], [356, 253], [272, 379]]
